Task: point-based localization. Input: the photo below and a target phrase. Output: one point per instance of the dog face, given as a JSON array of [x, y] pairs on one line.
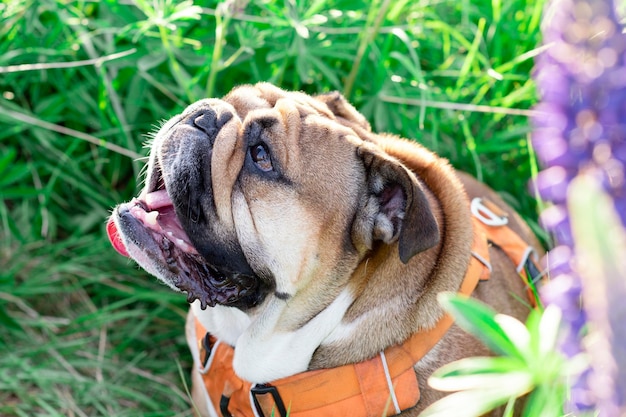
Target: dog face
[[269, 194]]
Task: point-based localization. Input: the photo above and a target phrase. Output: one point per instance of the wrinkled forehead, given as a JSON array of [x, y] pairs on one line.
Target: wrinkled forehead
[[246, 99]]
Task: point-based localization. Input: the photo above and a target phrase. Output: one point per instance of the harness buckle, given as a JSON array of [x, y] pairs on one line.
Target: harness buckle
[[534, 273], [206, 347], [224, 400], [485, 214], [278, 401]]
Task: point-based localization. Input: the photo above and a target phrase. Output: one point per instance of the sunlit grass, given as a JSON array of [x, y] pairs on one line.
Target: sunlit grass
[[84, 332]]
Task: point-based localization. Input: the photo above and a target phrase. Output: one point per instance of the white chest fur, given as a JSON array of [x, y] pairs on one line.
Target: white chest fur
[[263, 352]]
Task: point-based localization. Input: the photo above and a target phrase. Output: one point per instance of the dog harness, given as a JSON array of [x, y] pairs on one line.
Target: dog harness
[[384, 385]]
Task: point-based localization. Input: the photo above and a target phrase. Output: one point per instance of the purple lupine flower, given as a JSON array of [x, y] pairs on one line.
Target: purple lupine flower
[[580, 130]]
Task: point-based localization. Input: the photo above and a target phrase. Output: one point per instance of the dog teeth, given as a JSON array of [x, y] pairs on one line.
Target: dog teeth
[[151, 218], [183, 245]]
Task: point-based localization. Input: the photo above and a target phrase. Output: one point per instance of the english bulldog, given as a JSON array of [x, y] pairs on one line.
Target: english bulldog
[[305, 242]]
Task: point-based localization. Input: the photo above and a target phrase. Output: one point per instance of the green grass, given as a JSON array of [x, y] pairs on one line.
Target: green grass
[[83, 332]]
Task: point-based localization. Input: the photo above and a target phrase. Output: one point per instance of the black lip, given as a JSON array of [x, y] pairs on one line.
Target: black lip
[[185, 165], [139, 235], [190, 273], [219, 273]]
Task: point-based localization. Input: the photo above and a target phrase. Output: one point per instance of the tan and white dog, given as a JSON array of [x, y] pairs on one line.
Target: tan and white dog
[[305, 241]]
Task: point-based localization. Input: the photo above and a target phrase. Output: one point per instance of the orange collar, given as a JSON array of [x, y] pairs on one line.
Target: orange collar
[[383, 385]]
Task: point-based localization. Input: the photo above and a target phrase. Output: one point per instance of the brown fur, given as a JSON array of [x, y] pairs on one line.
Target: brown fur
[[336, 170], [438, 269]]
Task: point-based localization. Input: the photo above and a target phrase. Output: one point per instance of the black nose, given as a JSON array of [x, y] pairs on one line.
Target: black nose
[[210, 122]]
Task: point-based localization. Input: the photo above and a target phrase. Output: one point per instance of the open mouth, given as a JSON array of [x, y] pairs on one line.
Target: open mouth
[[149, 222]]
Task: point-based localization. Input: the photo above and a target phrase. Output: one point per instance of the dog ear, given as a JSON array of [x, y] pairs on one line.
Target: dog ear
[[396, 207], [340, 107]]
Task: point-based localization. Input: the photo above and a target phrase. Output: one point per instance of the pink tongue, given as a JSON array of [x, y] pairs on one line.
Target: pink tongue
[[158, 199], [115, 239]]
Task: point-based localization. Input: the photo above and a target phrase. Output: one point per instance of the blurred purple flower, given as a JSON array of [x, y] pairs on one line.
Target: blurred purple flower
[[580, 128]]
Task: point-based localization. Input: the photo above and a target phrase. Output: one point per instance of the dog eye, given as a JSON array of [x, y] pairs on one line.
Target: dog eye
[[261, 157]]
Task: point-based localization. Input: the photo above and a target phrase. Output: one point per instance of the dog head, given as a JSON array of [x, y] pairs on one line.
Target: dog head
[[267, 193]]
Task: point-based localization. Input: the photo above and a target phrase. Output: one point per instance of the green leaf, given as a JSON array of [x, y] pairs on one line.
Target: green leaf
[[13, 174], [545, 401], [327, 71], [548, 329], [482, 372], [510, 408], [147, 62], [516, 331], [8, 321], [471, 403], [8, 157], [479, 320], [19, 192], [186, 10]]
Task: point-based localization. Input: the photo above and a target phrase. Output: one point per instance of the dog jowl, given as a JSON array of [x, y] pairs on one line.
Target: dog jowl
[[173, 229], [305, 241]]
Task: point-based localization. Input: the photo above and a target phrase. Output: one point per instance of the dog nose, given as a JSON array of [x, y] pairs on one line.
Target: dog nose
[[210, 122]]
